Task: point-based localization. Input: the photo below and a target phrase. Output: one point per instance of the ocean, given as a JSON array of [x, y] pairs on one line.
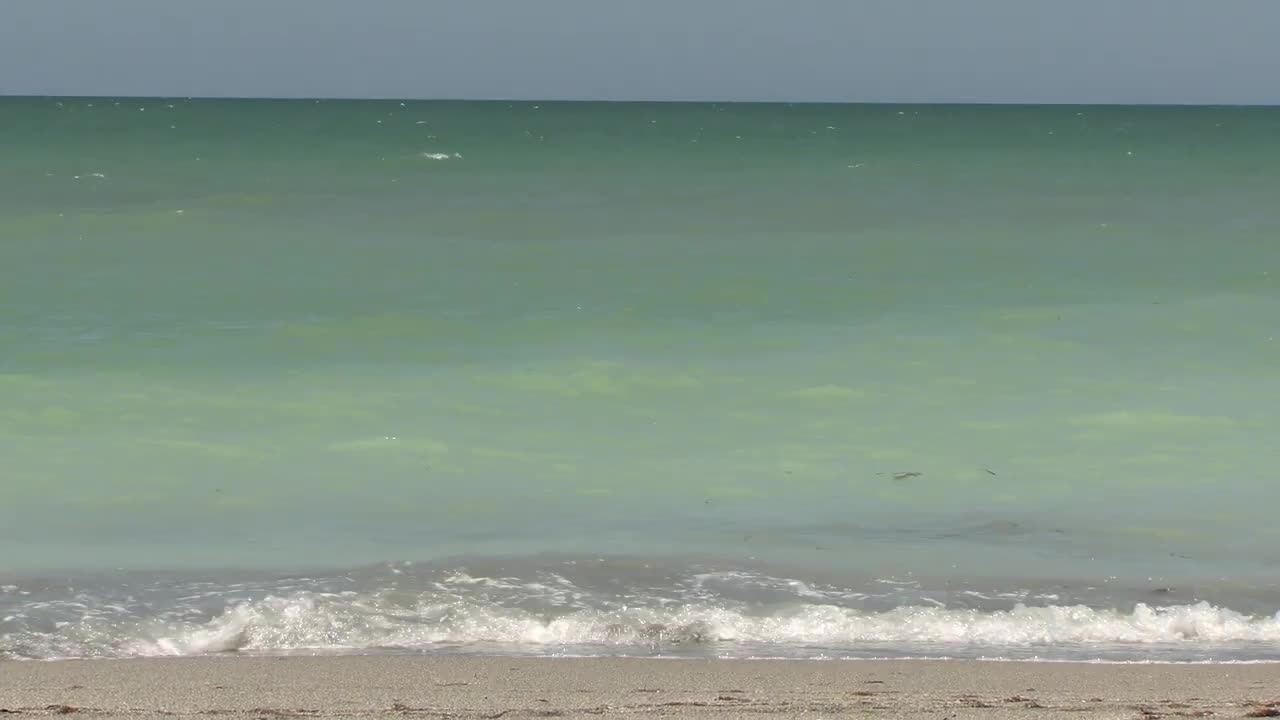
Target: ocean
[[829, 381]]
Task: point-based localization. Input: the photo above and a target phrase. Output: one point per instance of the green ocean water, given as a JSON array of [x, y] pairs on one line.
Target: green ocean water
[[250, 334]]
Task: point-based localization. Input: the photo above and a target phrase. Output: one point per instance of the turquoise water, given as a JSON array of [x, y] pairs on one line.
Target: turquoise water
[[258, 337]]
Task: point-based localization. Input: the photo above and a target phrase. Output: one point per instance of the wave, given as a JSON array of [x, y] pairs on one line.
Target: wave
[[552, 615], [309, 623]]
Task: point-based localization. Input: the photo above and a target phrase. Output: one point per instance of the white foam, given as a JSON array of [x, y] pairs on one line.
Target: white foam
[[562, 608], [229, 633], [315, 622]]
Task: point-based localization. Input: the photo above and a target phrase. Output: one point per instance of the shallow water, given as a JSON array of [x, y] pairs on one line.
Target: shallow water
[[243, 339]]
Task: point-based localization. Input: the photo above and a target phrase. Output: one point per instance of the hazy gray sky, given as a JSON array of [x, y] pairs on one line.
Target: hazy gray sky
[[1180, 51]]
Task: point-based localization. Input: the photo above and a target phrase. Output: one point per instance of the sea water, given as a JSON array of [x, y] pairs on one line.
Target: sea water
[[742, 380]]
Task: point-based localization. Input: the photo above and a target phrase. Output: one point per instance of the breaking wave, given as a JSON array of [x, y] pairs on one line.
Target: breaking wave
[[701, 614]]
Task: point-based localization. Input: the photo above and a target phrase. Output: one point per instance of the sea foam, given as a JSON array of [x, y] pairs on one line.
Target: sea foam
[[552, 616]]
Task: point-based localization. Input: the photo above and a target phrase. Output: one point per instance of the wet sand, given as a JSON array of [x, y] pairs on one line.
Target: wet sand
[[454, 687]]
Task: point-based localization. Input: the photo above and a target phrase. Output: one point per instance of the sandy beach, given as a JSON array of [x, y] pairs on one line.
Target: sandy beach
[[400, 686]]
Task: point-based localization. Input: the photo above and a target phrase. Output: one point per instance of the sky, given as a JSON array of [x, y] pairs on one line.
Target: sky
[[1065, 51]]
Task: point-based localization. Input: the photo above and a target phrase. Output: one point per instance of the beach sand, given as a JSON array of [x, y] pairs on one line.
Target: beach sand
[[455, 687]]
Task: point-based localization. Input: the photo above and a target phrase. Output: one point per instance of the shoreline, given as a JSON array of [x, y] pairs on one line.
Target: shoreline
[[491, 687]]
